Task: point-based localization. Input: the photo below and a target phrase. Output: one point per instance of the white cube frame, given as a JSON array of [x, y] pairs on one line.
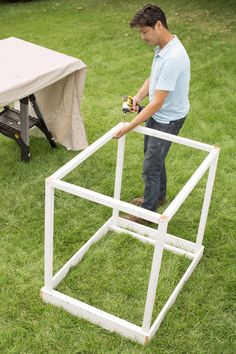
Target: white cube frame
[[159, 237]]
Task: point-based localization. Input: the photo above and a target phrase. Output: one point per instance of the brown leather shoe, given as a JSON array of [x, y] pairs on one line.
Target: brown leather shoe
[[136, 219], [140, 200]]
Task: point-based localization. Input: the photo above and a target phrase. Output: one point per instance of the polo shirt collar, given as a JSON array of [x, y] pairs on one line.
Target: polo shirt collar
[[161, 52]]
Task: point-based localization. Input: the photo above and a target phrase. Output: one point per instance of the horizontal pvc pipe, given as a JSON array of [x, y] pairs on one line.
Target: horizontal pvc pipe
[[145, 239], [149, 232], [68, 167], [105, 200], [174, 138], [94, 315]]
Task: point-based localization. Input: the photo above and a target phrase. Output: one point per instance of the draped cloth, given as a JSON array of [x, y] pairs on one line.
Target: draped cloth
[[56, 79]]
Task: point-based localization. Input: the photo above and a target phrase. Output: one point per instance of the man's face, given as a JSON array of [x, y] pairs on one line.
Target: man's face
[[149, 34]]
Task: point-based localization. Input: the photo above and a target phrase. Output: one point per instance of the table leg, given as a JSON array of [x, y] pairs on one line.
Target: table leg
[[24, 117], [41, 123]]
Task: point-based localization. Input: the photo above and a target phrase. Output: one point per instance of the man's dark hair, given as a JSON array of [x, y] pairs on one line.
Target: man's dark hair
[[148, 16]]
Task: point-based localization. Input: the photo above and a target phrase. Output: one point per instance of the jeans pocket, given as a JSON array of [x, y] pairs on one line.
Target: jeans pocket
[[176, 124]]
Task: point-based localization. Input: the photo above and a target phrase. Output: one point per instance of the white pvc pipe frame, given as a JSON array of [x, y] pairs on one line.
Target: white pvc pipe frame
[[159, 238]]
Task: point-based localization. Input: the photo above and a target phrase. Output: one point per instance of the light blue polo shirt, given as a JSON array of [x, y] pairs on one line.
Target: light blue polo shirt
[[171, 72]]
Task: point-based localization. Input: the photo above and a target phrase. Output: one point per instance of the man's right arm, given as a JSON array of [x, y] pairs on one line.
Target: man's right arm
[[142, 93]]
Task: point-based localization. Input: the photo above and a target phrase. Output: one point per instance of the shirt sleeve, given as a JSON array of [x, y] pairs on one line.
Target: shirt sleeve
[[168, 76]]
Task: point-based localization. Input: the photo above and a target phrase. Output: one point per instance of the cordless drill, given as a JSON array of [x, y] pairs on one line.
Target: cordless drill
[[127, 105]]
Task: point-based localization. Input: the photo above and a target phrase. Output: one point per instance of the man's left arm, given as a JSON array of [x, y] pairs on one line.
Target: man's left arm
[[147, 112]]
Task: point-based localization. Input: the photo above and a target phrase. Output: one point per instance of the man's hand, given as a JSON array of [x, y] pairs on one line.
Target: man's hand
[[136, 102], [121, 130], [146, 113]]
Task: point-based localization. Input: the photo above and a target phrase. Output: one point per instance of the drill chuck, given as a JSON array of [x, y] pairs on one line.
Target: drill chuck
[[127, 105]]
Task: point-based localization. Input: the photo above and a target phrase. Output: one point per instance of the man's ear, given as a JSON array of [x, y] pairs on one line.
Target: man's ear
[[158, 25]]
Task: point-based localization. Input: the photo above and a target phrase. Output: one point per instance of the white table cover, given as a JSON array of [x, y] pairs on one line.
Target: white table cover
[[56, 79]]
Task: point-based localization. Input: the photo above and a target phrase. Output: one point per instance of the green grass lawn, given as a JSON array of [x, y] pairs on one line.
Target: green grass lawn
[[113, 275]]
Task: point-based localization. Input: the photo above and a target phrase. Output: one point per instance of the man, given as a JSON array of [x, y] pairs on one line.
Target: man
[[167, 88]]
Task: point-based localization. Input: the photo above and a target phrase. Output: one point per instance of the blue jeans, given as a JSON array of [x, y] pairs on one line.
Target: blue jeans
[[154, 171]]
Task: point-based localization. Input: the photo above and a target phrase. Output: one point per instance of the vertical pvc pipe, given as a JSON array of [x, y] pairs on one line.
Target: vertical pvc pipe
[[206, 202], [48, 243], [154, 275], [119, 172]]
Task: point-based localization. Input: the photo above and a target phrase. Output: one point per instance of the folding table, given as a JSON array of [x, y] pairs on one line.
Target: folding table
[[53, 83]]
